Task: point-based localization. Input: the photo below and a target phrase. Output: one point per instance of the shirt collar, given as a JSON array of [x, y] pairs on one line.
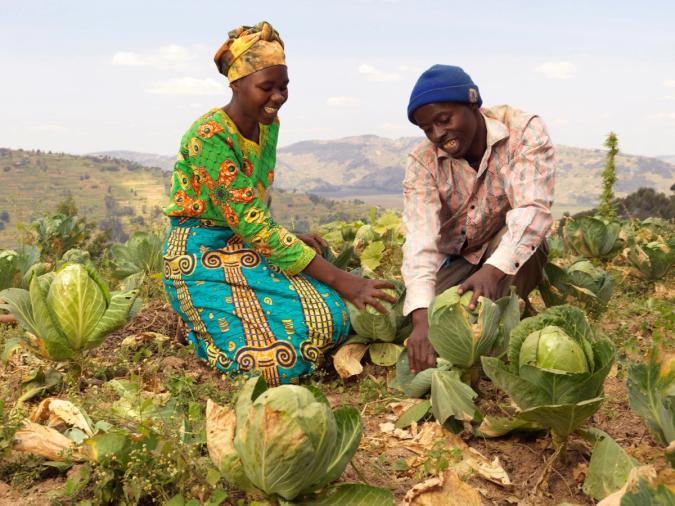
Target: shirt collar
[[496, 131]]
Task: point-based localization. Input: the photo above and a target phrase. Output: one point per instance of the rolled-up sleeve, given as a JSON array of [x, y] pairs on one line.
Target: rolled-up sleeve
[[529, 187], [421, 257]]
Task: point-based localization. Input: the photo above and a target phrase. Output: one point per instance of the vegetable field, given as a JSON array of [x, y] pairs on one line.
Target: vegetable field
[[104, 402]]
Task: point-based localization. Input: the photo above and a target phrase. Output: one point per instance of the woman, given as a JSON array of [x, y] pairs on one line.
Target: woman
[[255, 297]]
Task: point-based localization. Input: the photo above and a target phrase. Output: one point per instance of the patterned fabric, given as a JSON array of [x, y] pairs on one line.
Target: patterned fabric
[[249, 49], [222, 177], [451, 209], [245, 315]]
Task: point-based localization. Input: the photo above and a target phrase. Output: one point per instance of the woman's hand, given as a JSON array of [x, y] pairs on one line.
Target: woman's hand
[[357, 290], [313, 241], [361, 291]]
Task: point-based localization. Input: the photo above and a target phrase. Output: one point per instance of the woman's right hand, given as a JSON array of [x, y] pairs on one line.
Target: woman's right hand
[[361, 291]]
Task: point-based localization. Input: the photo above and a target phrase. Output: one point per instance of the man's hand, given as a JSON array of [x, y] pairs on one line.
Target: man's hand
[[313, 241], [485, 281], [421, 355]]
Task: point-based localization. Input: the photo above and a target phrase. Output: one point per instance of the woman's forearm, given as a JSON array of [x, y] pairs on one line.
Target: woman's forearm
[[322, 270]]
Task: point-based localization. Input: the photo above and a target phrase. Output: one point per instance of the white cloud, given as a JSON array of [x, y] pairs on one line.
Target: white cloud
[[561, 121], [187, 86], [558, 70], [377, 75], [165, 57], [339, 101], [670, 83], [665, 115]]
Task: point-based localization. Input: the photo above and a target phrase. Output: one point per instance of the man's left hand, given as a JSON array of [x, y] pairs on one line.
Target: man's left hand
[[313, 241], [485, 281]]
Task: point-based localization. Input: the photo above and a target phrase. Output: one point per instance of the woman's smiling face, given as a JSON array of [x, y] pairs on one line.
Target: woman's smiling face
[[261, 94]]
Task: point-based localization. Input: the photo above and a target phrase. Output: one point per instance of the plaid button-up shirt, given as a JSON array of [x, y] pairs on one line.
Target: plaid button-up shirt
[[452, 209]]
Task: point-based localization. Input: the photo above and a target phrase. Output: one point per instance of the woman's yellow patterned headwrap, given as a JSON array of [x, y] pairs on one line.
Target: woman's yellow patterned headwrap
[[249, 49]]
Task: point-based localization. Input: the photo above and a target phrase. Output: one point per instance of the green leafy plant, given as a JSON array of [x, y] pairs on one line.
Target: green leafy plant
[[142, 253], [383, 333], [607, 209], [594, 238], [67, 312], [462, 336], [54, 235], [18, 266], [556, 372], [581, 281], [651, 260], [283, 442], [651, 393]]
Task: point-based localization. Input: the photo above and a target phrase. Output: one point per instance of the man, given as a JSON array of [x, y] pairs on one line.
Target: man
[[477, 199]]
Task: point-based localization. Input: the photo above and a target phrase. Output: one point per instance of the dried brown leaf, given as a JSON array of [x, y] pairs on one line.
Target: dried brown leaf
[[347, 360], [444, 490], [221, 422]]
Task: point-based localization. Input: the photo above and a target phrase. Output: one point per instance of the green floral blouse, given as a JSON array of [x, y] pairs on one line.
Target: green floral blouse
[[223, 178]]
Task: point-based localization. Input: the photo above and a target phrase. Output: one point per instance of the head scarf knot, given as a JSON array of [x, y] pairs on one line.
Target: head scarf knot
[[249, 49]]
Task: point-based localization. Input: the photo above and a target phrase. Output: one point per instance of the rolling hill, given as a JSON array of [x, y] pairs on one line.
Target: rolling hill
[[34, 182], [371, 168]]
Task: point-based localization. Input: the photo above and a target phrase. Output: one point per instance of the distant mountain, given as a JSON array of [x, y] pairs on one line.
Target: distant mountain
[[667, 158], [121, 191], [372, 165]]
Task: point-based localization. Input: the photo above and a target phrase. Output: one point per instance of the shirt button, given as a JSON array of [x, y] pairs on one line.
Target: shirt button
[[463, 231], [517, 264], [533, 248], [473, 207]]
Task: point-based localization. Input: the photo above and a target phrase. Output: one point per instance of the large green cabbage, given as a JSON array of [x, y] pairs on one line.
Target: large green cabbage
[[556, 372], [581, 281], [288, 441], [594, 238], [67, 312], [651, 260], [461, 336]]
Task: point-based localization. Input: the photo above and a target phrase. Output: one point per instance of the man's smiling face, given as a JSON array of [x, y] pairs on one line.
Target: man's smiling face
[[450, 126]]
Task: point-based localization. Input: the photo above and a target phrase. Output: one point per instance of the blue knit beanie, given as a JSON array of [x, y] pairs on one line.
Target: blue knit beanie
[[443, 83]]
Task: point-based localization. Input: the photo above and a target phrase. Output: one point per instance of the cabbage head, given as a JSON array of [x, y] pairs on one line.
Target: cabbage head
[[372, 326], [556, 371], [461, 336], [67, 312], [594, 238], [651, 260], [288, 441], [581, 281], [141, 253]]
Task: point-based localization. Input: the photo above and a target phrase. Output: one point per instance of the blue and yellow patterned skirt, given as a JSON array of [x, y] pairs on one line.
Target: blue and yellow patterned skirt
[[245, 315]]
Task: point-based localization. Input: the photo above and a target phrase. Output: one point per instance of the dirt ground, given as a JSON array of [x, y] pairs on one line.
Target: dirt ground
[[380, 461]]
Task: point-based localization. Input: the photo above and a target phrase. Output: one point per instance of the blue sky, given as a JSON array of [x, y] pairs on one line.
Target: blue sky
[[83, 76]]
